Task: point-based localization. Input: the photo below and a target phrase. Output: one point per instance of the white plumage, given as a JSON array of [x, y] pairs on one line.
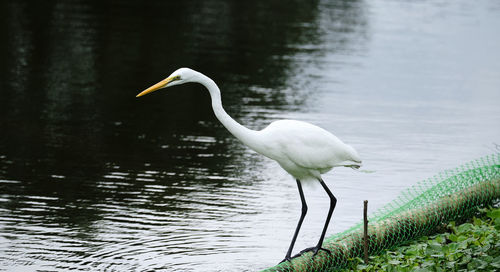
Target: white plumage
[[306, 151]]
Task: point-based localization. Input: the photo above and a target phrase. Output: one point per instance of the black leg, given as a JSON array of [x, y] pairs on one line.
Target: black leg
[[333, 202], [302, 215]]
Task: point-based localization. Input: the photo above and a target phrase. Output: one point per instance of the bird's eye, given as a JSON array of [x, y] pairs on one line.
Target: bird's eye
[[177, 77]]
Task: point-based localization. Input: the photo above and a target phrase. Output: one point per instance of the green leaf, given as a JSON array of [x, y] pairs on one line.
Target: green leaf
[[428, 263], [440, 239], [453, 247], [411, 252], [474, 264], [450, 265], [435, 246], [465, 227], [394, 262], [477, 221], [423, 269], [465, 260], [461, 238], [362, 267], [463, 244], [496, 262], [493, 214]]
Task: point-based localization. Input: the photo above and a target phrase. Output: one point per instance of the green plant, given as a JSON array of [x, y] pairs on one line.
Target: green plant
[[471, 246]]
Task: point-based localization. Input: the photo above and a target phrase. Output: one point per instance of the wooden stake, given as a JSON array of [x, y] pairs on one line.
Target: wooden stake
[[365, 234]]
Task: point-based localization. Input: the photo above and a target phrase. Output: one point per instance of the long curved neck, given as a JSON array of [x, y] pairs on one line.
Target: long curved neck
[[247, 136]]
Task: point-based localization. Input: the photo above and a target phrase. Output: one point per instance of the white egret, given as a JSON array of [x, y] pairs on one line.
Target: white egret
[[302, 149]]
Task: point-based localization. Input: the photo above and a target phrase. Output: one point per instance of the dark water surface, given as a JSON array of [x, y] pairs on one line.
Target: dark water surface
[[93, 179]]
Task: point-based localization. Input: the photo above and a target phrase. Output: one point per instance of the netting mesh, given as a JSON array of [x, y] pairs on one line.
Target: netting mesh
[[420, 210]]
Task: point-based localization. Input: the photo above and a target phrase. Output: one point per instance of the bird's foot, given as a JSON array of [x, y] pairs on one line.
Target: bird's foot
[[315, 251], [286, 259], [289, 259]]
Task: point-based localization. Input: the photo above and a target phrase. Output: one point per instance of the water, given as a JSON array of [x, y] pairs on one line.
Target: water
[[92, 178]]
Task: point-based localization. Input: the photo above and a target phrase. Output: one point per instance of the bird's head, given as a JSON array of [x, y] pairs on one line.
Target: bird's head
[[180, 76]]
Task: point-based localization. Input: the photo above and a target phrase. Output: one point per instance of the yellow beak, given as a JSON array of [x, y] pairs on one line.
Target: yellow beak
[[156, 87]]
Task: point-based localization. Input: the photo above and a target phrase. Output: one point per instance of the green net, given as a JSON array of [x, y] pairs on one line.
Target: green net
[[420, 210]]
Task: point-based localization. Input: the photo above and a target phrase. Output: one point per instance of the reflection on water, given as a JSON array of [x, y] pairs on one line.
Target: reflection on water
[[91, 177]]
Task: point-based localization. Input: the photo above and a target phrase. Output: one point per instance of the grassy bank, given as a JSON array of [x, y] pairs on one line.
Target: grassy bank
[[471, 246]]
